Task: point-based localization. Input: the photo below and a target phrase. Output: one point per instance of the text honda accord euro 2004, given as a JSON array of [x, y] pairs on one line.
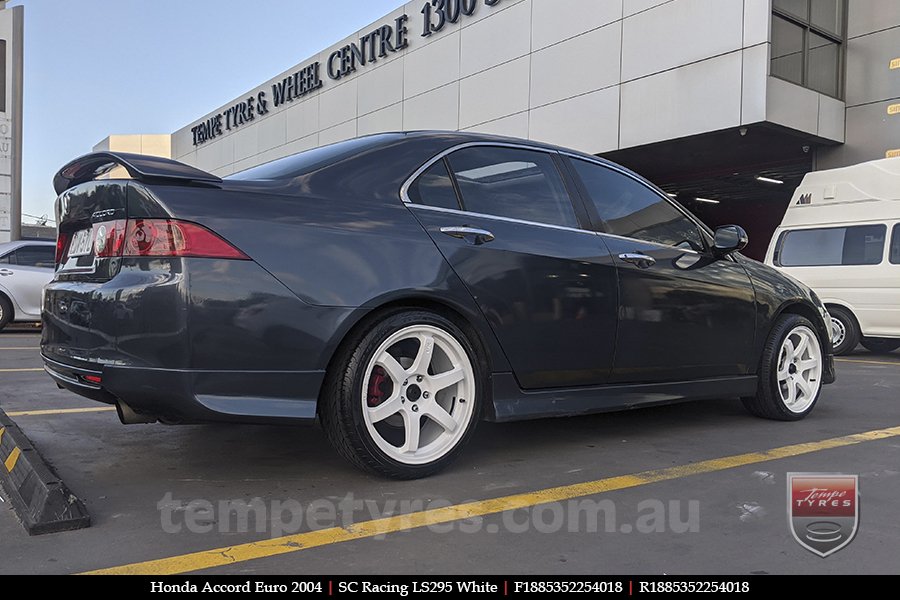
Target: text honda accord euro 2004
[[400, 287]]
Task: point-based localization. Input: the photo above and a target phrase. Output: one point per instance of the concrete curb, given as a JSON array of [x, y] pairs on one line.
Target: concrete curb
[[43, 503]]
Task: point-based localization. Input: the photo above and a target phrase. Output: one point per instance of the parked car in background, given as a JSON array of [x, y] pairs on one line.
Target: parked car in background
[[25, 267], [400, 287], [841, 236]]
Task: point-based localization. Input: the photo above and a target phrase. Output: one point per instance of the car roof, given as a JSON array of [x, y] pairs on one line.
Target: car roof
[[7, 246], [441, 141]]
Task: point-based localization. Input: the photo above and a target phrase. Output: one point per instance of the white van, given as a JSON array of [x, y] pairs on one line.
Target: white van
[[841, 237]]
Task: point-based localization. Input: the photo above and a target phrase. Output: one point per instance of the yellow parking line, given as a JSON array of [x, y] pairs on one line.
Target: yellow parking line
[[20, 370], [869, 362], [12, 459], [59, 411], [303, 541]]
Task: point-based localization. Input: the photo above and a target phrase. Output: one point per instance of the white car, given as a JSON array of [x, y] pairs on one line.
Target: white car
[[25, 268], [841, 237]]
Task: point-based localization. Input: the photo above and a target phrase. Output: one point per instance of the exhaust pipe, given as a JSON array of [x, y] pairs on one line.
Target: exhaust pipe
[[129, 417]]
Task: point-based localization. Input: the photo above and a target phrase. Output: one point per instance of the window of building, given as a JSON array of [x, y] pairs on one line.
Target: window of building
[[807, 43], [858, 245], [631, 209], [434, 188], [512, 183], [895, 245]]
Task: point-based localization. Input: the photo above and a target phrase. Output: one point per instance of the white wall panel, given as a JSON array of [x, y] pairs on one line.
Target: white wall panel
[[490, 42], [589, 123], [679, 33], [682, 102], [556, 20], [437, 109], [582, 64], [495, 93]]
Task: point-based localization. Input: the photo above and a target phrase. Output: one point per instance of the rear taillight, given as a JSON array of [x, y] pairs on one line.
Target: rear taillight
[[109, 238], [62, 239], [167, 237]]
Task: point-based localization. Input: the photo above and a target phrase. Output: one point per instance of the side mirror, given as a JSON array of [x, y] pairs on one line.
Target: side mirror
[[730, 238]]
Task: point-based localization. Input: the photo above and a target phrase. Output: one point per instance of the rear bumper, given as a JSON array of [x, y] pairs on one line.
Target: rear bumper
[[198, 396]]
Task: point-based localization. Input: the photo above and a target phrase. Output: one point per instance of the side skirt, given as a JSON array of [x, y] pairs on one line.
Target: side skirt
[[511, 403]]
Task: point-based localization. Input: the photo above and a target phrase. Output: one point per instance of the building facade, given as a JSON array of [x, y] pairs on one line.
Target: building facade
[[714, 100], [12, 31]]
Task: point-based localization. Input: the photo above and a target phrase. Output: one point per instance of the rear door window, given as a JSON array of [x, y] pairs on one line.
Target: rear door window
[[32, 256], [514, 183], [832, 246]]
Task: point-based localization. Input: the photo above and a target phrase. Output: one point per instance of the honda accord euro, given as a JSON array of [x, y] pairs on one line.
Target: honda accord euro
[[401, 287]]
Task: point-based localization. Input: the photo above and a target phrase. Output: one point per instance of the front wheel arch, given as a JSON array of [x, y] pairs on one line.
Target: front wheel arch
[[9, 310], [808, 312]]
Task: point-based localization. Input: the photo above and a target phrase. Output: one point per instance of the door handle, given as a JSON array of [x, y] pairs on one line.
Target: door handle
[[5, 272], [641, 261], [477, 236]]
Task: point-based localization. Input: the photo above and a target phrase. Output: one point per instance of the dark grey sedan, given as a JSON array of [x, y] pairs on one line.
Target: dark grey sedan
[[400, 287]]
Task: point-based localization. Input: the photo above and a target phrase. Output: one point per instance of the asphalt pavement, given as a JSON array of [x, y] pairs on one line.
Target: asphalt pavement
[[650, 491]]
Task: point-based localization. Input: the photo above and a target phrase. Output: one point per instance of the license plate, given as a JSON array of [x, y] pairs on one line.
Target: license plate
[[82, 243]]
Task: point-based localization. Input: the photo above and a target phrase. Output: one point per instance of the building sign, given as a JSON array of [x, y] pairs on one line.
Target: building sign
[[378, 44]]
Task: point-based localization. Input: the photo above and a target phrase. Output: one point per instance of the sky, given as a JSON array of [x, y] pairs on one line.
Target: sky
[[100, 67]]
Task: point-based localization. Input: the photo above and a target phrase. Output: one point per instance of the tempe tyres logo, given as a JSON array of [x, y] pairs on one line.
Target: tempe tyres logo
[[823, 510]]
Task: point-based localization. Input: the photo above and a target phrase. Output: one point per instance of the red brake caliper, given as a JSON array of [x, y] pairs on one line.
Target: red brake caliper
[[377, 385]]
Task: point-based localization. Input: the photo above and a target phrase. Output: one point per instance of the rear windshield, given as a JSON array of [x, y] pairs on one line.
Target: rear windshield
[[299, 164]]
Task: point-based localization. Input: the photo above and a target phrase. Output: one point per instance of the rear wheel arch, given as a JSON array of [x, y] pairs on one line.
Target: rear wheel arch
[[829, 305], [358, 330], [849, 322]]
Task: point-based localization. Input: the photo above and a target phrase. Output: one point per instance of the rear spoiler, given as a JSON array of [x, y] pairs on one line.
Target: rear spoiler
[[139, 166]]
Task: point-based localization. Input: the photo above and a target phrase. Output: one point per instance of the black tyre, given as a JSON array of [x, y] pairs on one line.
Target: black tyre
[[6, 311], [404, 396], [790, 371], [844, 329], [880, 345]]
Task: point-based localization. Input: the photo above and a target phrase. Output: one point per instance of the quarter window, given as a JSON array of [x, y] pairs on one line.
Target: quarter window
[[859, 245], [434, 188], [895, 245], [631, 209], [513, 183]]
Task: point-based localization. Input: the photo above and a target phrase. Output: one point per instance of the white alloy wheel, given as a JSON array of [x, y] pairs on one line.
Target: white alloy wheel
[[419, 394], [799, 369]]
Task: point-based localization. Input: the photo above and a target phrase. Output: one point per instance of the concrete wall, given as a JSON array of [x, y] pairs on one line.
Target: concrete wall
[[873, 87], [595, 75], [152, 144]]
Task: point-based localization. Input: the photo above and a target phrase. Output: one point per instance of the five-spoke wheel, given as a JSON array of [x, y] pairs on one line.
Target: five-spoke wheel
[[790, 371], [405, 396], [419, 392]]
